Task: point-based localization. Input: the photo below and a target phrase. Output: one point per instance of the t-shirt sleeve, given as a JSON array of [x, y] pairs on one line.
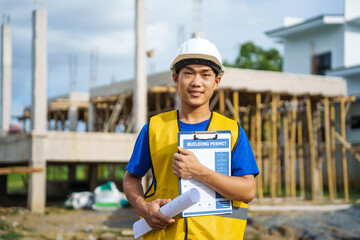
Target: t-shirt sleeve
[[140, 161], [243, 160]]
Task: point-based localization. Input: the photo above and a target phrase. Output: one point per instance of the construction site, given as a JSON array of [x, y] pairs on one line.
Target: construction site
[[296, 125]]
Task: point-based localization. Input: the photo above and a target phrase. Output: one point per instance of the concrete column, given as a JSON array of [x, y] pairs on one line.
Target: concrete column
[[37, 181], [39, 58], [73, 117], [140, 101], [91, 115], [6, 61]]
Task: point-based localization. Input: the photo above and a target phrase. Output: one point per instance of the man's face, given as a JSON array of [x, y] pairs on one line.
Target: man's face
[[196, 84]]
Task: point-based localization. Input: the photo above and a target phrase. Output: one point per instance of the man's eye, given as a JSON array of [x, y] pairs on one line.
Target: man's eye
[[187, 73]]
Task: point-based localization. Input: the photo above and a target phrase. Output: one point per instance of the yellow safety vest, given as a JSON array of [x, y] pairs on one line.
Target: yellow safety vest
[[163, 142]]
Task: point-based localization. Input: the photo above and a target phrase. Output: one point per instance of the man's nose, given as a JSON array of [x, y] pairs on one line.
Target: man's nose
[[196, 80]]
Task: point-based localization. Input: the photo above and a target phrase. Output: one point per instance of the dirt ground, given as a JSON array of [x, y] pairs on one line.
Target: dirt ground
[[62, 224]]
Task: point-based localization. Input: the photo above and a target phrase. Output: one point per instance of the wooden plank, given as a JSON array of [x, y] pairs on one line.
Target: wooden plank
[[258, 147], [274, 146], [293, 147], [328, 148], [332, 136], [311, 146], [162, 89], [301, 160], [9, 170], [343, 149], [236, 105]]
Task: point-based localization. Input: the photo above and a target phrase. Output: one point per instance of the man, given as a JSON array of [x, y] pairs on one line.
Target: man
[[196, 71]]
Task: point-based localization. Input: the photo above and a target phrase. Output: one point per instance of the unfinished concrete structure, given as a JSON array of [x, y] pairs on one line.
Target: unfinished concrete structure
[[281, 114]]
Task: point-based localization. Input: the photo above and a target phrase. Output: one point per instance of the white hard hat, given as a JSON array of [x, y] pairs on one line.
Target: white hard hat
[[198, 51]]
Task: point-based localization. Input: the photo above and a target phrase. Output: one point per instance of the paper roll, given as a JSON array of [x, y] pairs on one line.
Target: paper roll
[[170, 209]]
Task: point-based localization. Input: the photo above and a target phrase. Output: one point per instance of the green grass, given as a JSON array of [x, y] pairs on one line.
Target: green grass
[[17, 182], [11, 235]]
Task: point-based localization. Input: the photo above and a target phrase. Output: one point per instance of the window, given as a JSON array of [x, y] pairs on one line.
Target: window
[[321, 63], [355, 122]]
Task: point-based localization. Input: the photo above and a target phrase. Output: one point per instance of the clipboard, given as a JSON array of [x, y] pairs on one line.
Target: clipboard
[[213, 149]]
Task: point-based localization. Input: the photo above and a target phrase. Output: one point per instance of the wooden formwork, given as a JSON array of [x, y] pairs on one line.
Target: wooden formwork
[[292, 137]]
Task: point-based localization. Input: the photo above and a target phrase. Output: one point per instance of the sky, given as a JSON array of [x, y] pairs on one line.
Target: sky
[[78, 27]]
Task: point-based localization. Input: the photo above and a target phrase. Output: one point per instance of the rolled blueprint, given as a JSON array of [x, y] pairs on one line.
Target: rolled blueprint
[[170, 209]]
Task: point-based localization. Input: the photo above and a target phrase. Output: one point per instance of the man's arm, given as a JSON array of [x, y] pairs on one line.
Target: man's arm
[[186, 165], [148, 210]]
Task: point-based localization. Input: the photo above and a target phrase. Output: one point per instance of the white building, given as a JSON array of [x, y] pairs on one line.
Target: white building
[[326, 45]]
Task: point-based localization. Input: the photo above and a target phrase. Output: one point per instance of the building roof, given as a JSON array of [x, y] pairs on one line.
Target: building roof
[[344, 71], [308, 25], [245, 80]]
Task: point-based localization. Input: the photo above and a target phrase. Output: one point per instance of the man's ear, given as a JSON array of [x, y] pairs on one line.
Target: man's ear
[[175, 77], [217, 81]]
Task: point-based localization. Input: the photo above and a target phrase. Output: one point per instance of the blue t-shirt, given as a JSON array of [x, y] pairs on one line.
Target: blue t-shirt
[[242, 160]]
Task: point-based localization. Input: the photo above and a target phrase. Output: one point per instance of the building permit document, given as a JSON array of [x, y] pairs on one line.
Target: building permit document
[[213, 149]]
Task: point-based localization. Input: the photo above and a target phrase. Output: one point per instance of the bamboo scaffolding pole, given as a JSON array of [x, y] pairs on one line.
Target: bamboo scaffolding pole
[[286, 153], [157, 101], [168, 99], [319, 162], [301, 160], [56, 120], [253, 129], [266, 168], [332, 136], [343, 149], [221, 101], [246, 122], [258, 147], [236, 105], [347, 146], [293, 148], [279, 167], [274, 146], [328, 148], [311, 146]]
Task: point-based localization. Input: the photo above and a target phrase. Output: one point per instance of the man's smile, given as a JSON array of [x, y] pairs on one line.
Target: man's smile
[[195, 93]]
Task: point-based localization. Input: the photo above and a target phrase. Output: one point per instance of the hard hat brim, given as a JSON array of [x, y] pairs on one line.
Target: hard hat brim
[[197, 55]]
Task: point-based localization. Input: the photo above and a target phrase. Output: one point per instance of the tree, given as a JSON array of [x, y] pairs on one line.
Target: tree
[[254, 57]]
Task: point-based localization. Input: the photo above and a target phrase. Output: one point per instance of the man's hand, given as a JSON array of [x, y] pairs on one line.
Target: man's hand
[[150, 211], [186, 164]]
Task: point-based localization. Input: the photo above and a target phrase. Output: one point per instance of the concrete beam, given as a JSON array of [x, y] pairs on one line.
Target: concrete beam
[[89, 147], [6, 62], [15, 149]]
